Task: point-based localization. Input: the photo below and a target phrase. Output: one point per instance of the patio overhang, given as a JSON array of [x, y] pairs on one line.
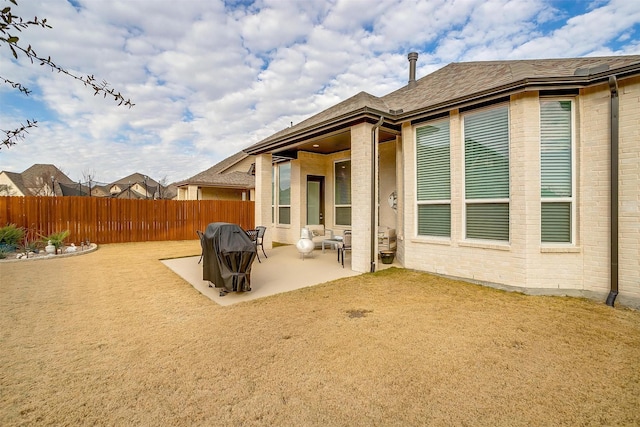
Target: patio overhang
[[325, 138]]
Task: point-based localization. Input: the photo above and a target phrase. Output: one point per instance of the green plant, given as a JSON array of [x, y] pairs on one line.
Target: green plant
[[3, 252], [56, 239], [27, 246], [10, 235]]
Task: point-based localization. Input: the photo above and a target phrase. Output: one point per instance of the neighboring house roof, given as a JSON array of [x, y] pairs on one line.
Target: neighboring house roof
[[216, 177], [36, 178], [120, 188], [18, 183], [129, 192], [40, 170], [170, 191], [453, 86], [99, 191], [136, 177]]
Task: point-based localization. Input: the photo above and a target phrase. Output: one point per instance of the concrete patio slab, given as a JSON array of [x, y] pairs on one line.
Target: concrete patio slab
[[283, 271]]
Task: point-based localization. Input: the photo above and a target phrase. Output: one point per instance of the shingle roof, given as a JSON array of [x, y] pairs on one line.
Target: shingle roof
[[44, 170], [215, 177], [135, 177], [16, 178], [234, 179], [357, 102], [459, 82], [39, 174]]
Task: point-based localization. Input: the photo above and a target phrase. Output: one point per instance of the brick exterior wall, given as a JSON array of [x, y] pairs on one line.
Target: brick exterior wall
[[525, 263], [629, 191]]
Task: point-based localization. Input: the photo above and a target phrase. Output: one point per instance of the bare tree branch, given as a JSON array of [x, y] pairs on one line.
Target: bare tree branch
[[13, 136], [9, 22]]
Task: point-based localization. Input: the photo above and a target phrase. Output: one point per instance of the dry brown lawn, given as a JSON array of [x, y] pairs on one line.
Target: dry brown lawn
[[116, 338]]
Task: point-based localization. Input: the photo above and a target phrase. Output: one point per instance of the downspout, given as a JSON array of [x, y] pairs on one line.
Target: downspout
[[374, 195], [615, 106]]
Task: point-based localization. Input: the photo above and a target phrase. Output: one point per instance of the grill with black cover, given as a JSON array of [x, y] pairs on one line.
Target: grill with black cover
[[228, 255]]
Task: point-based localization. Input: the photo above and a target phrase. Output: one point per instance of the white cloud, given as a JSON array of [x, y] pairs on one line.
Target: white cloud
[[210, 78]]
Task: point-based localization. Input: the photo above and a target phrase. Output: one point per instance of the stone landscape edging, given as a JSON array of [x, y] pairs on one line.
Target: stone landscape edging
[[93, 247]]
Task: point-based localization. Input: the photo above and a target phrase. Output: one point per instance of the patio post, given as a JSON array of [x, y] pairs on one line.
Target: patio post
[[361, 209], [263, 197]]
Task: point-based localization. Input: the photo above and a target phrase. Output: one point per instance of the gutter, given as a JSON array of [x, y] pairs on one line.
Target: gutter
[[374, 195], [615, 107]]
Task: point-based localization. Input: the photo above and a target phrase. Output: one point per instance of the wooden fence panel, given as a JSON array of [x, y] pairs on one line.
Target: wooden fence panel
[[107, 220]]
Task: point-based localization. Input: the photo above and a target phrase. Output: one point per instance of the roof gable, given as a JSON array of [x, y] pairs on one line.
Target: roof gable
[[360, 101]]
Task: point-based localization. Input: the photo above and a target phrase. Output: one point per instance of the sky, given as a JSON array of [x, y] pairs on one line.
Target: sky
[[209, 77]]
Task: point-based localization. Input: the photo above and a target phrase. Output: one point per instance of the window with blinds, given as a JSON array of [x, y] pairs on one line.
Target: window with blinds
[[342, 192], [486, 160], [284, 193], [433, 174], [556, 170]]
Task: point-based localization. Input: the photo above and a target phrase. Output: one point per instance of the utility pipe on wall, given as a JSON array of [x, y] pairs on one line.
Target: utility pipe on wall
[[615, 107], [374, 193]]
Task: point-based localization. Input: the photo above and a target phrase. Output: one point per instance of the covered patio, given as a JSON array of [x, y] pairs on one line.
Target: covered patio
[[283, 271]]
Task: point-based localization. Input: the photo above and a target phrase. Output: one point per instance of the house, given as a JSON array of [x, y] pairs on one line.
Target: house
[[38, 180], [517, 174], [137, 186], [231, 179]]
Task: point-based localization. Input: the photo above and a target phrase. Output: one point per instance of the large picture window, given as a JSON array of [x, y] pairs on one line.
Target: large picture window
[[486, 160], [433, 174], [556, 170], [284, 193], [342, 199]]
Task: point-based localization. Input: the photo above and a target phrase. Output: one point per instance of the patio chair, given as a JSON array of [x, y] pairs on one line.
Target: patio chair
[[260, 239], [344, 246], [201, 237], [257, 236]]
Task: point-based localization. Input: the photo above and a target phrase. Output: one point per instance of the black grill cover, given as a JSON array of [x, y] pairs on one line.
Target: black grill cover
[[228, 256]]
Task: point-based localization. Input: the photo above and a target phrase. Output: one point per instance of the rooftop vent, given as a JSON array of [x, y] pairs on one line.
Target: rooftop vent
[[413, 58], [591, 71]]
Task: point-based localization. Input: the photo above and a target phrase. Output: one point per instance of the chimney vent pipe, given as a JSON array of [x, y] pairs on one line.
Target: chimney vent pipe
[[413, 58]]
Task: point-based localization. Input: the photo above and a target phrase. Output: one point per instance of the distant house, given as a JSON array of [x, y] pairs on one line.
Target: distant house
[[519, 174], [48, 180], [231, 179], [38, 180], [138, 186]]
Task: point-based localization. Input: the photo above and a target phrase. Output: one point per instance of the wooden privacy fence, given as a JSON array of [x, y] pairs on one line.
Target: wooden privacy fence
[[105, 220]]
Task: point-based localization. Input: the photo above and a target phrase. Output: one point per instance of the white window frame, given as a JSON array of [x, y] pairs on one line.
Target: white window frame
[[278, 204], [466, 201], [417, 202], [335, 204], [571, 200]]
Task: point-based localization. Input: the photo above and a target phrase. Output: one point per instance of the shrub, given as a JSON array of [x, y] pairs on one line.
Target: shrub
[[57, 239], [10, 235]]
